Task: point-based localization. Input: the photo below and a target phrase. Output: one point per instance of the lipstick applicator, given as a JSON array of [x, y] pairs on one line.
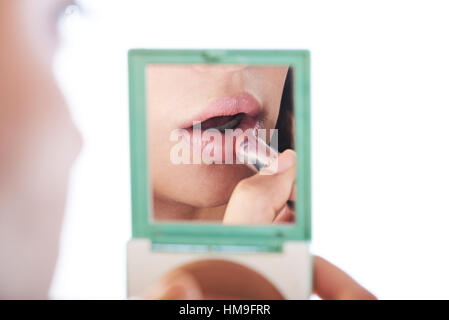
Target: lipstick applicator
[[257, 154], [254, 151]]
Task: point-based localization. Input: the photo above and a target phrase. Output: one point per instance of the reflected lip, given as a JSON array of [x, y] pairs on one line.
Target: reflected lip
[[245, 109], [227, 106]]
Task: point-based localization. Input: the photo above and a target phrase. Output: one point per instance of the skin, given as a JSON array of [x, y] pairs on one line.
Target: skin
[[329, 281], [38, 144], [178, 94]]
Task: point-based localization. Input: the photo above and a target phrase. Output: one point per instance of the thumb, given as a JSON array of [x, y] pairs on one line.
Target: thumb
[[178, 285], [260, 198]]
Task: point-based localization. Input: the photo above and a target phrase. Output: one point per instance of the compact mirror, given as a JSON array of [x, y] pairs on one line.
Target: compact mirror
[[210, 132], [210, 128]]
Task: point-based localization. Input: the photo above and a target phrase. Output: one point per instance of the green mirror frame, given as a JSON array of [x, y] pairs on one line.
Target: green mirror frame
[[207, 236]]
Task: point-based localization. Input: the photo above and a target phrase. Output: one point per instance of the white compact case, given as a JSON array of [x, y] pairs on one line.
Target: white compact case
[[276, 254]]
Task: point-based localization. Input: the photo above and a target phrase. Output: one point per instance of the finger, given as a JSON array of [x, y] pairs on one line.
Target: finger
[[331, 283], [258, 199], [284, 161], [177, 285], [293, 194], [286, 215]]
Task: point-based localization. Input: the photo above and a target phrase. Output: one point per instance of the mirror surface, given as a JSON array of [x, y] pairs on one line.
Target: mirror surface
[[217, 141]]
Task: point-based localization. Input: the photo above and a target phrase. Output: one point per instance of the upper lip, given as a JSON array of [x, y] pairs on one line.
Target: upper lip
[[227, 106]]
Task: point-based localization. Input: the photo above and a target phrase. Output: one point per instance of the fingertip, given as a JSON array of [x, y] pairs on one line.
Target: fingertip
[[178, 285], [332, 283], [283, 162]]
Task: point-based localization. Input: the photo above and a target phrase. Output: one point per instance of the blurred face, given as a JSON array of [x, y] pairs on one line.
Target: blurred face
[[38, 143], [216, 97]]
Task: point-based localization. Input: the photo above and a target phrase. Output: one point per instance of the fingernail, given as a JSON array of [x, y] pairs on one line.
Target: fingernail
[[285, 161]]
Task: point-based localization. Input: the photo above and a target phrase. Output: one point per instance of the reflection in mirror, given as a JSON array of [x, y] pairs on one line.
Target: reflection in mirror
[[225, 280], [218, 141]]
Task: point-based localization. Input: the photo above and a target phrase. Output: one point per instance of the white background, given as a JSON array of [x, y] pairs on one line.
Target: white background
[[380, 113]]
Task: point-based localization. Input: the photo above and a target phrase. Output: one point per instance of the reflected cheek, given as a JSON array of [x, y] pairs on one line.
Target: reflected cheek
[[272, 116]]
